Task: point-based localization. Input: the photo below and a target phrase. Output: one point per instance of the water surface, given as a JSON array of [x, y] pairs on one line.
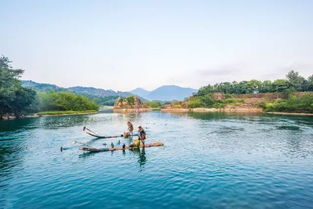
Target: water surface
[[208, 161]]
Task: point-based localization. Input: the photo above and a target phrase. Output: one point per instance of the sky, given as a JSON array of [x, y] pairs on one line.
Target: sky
[[122, 45]]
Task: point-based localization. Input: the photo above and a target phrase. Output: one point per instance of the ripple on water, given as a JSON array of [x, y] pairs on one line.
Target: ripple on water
[[208, 161]]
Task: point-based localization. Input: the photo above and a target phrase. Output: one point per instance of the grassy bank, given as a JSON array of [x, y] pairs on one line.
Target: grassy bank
[[296, 103], [293, 104], [67, 112]]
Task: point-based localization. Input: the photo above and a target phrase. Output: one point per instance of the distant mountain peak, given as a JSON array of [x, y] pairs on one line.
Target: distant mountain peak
[[165, 93], [162, 93], [140, 92]]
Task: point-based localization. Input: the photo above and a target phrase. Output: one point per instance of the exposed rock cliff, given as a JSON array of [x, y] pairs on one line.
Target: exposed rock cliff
[[130, 104]]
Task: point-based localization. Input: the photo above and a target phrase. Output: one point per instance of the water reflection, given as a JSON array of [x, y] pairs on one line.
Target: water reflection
[[258, 150], [141, 156], [14, 125], [222, 115], [12, 144], [86, 154], [208, 116], [63, 121]]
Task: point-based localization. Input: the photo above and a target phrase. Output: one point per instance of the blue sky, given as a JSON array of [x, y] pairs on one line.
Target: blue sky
[[122, 45]]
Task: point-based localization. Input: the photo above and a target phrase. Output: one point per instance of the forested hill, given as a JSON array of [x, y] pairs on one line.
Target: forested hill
[[100, 96], [77, 89]]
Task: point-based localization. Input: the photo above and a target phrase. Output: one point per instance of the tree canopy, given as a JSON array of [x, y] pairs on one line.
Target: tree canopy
[[293, 82], [17, 100], [64, 101], [14, 99]]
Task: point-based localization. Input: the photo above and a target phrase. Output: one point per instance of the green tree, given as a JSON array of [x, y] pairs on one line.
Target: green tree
[[14, 99], [296, 81], [65, 101], [310, 83], [280, 85], [24, 102], [266, 86]]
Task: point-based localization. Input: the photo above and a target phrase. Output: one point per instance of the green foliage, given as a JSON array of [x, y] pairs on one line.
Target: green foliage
[[310, 83], [209, 102], [294, 82], [280, 85], [64, 101], [103, 101], [14, 99], [130, 100], [301, 103], [177, 105], [195, 102], [153, 104]]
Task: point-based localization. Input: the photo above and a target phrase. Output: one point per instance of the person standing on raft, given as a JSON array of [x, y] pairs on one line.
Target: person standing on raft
[[141, 135]]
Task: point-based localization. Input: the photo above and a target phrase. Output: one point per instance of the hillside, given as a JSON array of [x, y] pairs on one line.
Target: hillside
[[100, 96], [41, 86], [297, 102], [165, 93], [76, 89]]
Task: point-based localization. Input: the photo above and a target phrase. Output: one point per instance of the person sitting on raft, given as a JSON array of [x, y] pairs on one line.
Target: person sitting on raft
[[130, 130], [141, 138]]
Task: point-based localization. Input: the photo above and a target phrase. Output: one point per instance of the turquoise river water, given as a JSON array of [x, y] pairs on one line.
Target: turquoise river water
[[208, 161]]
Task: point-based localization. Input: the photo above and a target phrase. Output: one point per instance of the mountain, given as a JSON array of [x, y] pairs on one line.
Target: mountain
[[105, 97], [76, 89], [97, 92], [100, 96], [165, 93], [140, 92], [41, 86]]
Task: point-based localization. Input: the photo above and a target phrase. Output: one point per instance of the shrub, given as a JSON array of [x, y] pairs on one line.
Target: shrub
[[153, 104], [195, 102], [64, 101], [302, 103]]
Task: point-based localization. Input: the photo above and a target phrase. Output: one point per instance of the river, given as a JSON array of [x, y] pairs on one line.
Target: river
[[208, 161]]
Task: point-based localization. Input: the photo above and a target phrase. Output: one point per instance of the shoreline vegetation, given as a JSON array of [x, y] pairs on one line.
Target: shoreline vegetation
[[17, 101], [51, 113], [68, 112], [298, 103], [290, 96]]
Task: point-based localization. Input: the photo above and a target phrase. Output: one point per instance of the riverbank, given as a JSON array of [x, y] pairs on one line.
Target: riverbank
[[70, 112], [207, 110], [50, 113], [231, 110], [132, 110], [290, 113]]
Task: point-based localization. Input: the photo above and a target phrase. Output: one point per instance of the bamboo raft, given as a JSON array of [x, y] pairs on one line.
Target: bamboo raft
[[94, 149], [94, 134]]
